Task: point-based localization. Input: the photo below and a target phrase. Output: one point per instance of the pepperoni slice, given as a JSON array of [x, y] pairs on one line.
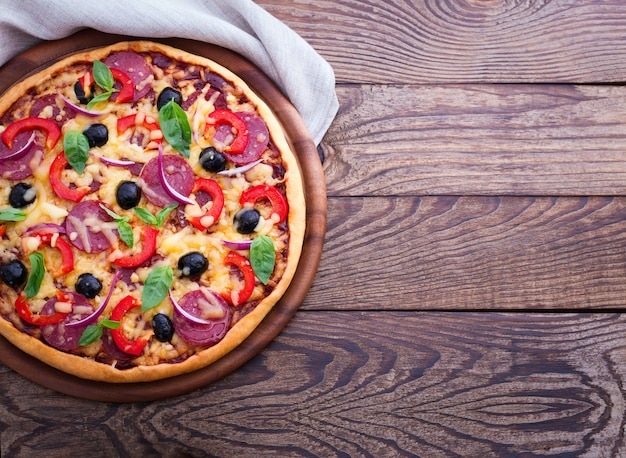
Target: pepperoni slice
[[258, 139], [18, 169], [219, 102], [178, 173], [215, 80], [48, 107], [85, 227], [112, 349], [136, 67], [198, 333], [60, 336]]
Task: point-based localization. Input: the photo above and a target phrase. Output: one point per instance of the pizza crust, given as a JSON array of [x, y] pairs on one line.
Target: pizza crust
[[86, 368]]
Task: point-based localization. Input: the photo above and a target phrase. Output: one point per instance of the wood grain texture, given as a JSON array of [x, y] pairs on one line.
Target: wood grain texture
[[477, 140], [368, 384], [434, 41], [481, 253], [450, 191]]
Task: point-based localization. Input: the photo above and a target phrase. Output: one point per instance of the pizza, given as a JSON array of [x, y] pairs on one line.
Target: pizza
[[152, 213]]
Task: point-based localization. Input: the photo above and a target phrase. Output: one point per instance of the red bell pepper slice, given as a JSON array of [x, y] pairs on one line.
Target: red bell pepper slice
[[67, 256], [264, 191], [125, 123], [3, 230], [219, 117], [133, 347], [26, 314], [141, 119], [50, 128], [61, 189], [149, 247], [240, 296], [124, 95], [128, 88], [212, 215]]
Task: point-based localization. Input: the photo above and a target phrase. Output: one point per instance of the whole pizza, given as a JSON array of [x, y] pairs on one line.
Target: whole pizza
[[151, 213]]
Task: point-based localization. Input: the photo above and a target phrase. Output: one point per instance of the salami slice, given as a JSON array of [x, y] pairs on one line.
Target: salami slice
[[59, 335], [86, 227], [48, 107], [215, 80], [18, 169], [109, 346], [136, 67], [220, 100], [178, 173], [197, 303], [257, 142]]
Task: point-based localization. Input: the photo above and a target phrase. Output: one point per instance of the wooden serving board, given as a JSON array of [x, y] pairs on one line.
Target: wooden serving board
[[298, 136]]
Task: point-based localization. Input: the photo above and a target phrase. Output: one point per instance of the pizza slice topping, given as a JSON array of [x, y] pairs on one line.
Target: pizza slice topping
[[200, 148], [201, 317], [90, 228]]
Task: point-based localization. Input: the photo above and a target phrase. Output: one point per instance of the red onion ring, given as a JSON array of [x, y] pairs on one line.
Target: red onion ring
[[44, 228], [116, 162], [243, 245], [237, 170], [22, 151], [168, 188], [77, 109], [186, 314], [94, 316]]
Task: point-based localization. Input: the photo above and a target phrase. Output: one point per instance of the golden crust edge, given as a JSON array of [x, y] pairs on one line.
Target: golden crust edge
[[85, 368]]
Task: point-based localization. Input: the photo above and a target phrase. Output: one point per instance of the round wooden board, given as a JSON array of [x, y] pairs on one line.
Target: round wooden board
[[297, 134]]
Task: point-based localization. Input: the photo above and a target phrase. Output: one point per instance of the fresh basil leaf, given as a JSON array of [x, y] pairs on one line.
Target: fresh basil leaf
[[125, 230], [145, 216], [94, 331], [102, 76], [111, 324], [12, 214], [175, 127], [76, 148], [112, 214], [126, 233], [99, 98], [262, 257], [156, 287], [37, 272], [157, 220], [91, 333], [163, 214]]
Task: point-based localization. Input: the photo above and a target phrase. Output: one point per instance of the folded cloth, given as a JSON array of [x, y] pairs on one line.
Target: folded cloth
[[240, 25]]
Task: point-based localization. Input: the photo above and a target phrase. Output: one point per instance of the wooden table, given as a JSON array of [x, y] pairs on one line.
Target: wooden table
[[469, 295]]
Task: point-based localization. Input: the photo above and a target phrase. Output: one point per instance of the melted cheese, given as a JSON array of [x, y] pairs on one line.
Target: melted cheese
[[42, 210], [171, 245]]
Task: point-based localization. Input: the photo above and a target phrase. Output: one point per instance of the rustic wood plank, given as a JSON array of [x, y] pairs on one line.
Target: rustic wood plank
[[395, 41], [463, 253], [367, 384], [478, 140]]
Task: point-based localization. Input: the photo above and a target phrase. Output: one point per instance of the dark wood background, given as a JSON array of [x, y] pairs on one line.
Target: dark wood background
[[469, 295]]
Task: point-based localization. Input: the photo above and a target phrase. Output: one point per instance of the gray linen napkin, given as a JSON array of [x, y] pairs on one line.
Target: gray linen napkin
[[239, 25]]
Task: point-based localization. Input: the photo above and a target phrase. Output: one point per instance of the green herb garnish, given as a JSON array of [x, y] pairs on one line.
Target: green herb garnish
[[94, 331], [76, 147], [104, 78], [125, 230], [262, 257], [157, 220], [156, 287], [37, 272], [12, 214], [175, 127]]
